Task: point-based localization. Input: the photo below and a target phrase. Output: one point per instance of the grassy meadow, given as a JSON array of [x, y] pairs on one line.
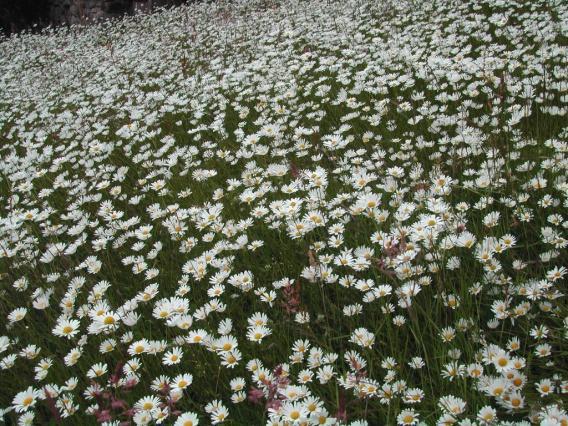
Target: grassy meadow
[[290, 213]]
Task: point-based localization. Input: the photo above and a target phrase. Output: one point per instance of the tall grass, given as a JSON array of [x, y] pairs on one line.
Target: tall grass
[[287, 213]]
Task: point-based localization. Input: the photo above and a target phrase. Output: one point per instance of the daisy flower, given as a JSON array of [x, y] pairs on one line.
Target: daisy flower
[[173, 356], [25, 399]]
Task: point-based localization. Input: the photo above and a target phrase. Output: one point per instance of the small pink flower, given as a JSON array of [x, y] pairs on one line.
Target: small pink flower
[[103, 416], [255, 395], [118, 404]]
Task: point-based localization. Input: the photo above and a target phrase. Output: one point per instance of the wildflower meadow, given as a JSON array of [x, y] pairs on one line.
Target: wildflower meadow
[[318, 212]]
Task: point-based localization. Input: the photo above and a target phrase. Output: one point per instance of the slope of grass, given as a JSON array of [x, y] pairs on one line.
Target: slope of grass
[[339, 212]]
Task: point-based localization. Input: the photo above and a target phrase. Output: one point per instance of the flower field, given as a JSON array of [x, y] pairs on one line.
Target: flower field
[[288, 213]]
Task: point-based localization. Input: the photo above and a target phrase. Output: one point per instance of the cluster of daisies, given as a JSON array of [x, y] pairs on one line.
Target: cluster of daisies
[[287, 213]]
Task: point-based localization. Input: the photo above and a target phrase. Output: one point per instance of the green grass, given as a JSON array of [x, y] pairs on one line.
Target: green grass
[[186, 75]]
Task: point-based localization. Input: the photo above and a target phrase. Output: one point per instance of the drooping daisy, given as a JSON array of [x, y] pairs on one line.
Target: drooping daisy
[[147, 404], [181, 381]]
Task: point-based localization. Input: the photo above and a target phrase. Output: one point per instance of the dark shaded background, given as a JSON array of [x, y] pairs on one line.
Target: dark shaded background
[[16, 15], [32, 15]]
